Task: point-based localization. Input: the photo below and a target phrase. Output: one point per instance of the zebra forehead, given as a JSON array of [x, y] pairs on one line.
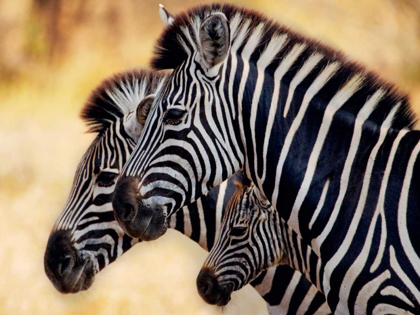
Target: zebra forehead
[[179, 41], [117, 96]]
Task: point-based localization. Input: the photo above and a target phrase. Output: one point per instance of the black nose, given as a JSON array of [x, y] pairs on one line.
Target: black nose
[[59, 259], [68, 271], [209, 289], [125, 202]]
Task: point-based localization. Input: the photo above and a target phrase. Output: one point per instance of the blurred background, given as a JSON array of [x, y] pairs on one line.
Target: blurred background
[[52, 54]]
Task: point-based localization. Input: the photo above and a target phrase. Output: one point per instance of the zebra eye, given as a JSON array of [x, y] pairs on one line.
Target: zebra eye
[[173, 116], [238, 231], [106, 179]]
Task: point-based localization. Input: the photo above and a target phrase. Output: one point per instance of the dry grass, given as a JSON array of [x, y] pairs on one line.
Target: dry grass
[[42, 139]]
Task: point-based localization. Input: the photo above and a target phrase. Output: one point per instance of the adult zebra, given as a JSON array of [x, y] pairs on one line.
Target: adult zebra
[[86, 237], [300, 120]]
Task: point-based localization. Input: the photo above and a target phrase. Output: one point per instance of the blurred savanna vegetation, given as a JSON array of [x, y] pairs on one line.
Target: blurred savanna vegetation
[[52, 54]]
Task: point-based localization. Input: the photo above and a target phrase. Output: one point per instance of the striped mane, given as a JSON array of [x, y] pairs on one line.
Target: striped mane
[[174, 44], [117, 96]]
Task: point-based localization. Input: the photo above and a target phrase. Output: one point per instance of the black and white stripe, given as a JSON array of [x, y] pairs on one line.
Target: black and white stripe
[[88, 220], [326, 141], [88, 213], [252, 239]]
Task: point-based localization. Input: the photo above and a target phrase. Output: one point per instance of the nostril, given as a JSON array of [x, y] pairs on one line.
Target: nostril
[[128, 212], [65, 266], [206, 288]]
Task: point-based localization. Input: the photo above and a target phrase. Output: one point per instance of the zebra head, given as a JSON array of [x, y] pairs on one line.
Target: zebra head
[[192, 141], [244, 246], [86, 237]]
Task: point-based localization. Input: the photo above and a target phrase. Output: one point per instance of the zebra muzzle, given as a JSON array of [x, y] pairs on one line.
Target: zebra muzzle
[[68, 270], [210, 290], [137, 219]]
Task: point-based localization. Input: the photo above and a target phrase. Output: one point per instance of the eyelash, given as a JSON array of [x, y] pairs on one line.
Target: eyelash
[[106, 179], [173, 120], [238, 231]]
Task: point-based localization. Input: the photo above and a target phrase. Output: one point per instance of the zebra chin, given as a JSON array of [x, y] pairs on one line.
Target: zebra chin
[[210, 290], [146, 228], [68, 270]]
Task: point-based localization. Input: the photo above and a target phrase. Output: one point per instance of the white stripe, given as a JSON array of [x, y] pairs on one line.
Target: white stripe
[[402, 213], [345, 176], [203, 228], [335, 104], [393, 291], [285, 301], [271, 51], [187, 222], [267, 283], [282, 69], [366, 292], [318, 83], [380, 207], [237, 43], [404, 278], [87, 220], [307, 300], [219, 207], [355, 268], [172, 222], [249, 48], [303, 72], [320, 204]]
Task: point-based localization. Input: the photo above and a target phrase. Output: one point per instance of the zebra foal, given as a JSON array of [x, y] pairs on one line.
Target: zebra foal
[[252, 238]]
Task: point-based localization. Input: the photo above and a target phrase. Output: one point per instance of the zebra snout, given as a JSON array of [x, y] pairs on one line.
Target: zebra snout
[[137, 219], [210, 290], [66, 268], [125, 201]]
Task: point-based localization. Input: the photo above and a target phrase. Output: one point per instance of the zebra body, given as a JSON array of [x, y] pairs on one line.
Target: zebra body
[[86, 237], [327, 143]]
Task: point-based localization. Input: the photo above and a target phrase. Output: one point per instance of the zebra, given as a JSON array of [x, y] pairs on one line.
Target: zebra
[[87, 237], [252, 238], [327, 142]]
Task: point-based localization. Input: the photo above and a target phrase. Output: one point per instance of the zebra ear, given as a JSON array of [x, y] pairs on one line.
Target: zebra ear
[[214, 40], [166, 17], [240, 185], [143, 109], [135, 123]]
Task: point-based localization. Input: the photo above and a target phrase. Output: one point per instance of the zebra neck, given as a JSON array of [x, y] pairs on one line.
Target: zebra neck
[[338, 180], [298, 254], [190, 221], [201, 221], [302, 141]]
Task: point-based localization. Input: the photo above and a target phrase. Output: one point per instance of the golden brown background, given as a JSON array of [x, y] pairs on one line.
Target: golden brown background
[[52, 54]]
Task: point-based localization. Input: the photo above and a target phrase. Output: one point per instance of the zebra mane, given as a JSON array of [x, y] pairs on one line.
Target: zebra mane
[[117, 96], [171, 50]]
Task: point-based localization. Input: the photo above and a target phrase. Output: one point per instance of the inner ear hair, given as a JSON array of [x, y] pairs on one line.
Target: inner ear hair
[[214, 39], [237, 184], [144, 107], [166, 17]]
